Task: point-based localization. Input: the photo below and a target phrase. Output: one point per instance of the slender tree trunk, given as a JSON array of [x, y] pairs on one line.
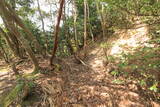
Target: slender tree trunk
[[68, 37], [90, 26], [6, 14], [43, 29], [17, 49], [14, 17], [69, 44], [101, 18], [16, 46], [75, 24], [5, 56], [66, 32], [26, 46], [41, 16], [57, 31], [85, 25], [65, 27], [10, 44]]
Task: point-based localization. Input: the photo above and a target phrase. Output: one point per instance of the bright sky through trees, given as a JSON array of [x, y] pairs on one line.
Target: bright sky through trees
[[47, 6]]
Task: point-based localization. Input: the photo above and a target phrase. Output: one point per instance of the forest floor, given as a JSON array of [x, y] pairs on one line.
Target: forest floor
[[86, 85], [6, 78]]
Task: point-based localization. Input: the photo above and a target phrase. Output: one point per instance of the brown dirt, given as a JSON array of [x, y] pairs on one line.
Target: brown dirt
[[90, 85]]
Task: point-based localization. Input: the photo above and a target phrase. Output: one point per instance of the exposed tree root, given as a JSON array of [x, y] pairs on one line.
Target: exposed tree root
[[51, 90], [18, 93]]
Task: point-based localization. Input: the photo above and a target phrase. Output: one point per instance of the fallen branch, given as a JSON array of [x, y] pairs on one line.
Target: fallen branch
[[79, 60]]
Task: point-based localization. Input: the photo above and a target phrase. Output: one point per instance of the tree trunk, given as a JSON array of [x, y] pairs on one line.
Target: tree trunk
[[75, 24], [57, 31], [16, 44], [69, 44], [101, 18], [6, 13], [85, 26], [13, 43], [14, 17], [27, 47], [8, 41], [43, 29], [5, 56], [41, 16], [90, 26]]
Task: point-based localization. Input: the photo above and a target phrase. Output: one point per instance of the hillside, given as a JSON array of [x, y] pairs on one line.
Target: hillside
[[97, 81], [79, 53]]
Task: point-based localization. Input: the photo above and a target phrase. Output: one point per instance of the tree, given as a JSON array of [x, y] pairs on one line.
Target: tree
[[8, 14], [14, 17], [43, 29], [57, 31], [100, 13], [10, 43], [90, 26], [3, 52], [75, 23], [85, 24]]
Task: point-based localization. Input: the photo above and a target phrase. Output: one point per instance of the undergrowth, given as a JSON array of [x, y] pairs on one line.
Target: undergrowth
[[141, 65]]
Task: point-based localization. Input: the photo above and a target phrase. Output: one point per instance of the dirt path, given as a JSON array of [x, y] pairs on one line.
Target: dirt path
[[91, 85], [94, 87]]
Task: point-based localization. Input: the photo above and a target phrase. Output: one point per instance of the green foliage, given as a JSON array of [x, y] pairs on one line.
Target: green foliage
[[115, 73], [105, 45], [117, 81], [142, 83], [111, 58], [142, 66], [154, 87]]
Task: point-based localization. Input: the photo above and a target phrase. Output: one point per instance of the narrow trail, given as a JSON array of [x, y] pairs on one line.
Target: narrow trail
[[94, 87]]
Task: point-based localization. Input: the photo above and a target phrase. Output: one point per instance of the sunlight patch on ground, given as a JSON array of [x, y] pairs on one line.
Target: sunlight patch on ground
[[97, 63], [130, 39], [4, 69]]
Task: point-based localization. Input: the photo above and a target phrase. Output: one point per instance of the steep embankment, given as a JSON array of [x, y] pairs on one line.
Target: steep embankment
[[128, 39]]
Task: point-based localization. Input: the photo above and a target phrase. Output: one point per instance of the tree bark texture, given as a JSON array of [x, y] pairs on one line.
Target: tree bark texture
[[57, 31]]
